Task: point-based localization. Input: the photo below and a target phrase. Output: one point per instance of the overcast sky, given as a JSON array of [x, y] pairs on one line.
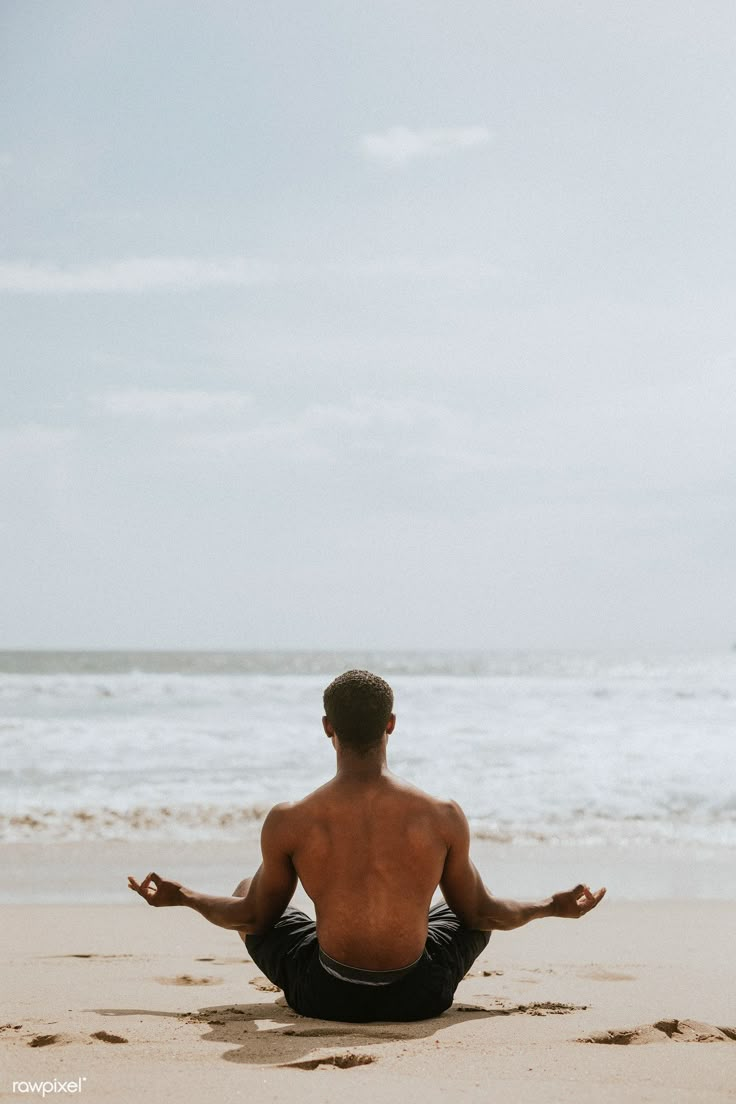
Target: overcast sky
[[347, 324]]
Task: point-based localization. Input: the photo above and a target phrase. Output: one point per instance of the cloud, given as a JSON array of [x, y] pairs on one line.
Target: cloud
[[136, 274], [164, 405], [401, 428], [143, 274], [399, 145]]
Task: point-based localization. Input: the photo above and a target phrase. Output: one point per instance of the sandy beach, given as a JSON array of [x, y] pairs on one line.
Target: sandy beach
[[632, 1003], [635, 1002]]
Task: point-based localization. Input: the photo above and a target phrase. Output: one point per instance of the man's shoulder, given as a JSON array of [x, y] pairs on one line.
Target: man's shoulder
[[452, 814], [287, 814], [278, 818], [444, 810], [282, 828], [279, 811], [445, 806], [449, 820]]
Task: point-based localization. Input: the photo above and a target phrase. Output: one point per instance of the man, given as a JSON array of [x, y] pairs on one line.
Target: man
[[369, 850]]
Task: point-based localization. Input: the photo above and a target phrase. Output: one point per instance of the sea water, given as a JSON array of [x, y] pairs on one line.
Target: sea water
[[536, 747]]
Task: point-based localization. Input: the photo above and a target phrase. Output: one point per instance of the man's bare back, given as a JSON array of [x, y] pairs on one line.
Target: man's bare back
[[369, 850], [369, 854]]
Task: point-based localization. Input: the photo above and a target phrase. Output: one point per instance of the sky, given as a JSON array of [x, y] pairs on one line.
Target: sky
[[387, 325]]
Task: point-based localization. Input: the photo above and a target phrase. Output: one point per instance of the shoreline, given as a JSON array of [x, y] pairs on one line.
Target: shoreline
[[95, 871]]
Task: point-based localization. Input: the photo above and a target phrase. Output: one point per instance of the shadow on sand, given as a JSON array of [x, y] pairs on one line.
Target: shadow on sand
[[272, 1034]]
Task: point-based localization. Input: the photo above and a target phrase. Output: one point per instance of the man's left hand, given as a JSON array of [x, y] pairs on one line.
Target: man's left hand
[[576, 902]]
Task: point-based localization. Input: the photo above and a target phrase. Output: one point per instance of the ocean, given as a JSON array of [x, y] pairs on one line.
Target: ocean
[[578, 749]]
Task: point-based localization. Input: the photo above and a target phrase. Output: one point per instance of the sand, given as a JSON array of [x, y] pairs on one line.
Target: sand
[[634, 1002]]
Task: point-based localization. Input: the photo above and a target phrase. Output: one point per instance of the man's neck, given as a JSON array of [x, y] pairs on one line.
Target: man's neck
[[365, 767]]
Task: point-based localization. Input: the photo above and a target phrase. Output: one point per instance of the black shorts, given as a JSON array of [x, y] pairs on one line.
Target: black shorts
[[289, 956]]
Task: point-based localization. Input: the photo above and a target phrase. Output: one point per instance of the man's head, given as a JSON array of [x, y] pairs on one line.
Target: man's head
[[358, 709]]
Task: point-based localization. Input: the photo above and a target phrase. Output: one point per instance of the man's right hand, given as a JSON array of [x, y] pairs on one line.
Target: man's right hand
[[574, 903], [157, 891]]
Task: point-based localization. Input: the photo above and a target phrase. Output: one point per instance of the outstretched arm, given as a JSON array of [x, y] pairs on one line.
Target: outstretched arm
[[467, 896], [270, 890]]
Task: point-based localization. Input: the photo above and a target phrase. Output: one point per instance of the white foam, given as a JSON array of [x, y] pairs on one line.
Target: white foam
[[535, 748]]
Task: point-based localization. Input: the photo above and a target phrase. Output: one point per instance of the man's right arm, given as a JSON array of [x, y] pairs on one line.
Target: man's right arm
[[464, 891], [270, 890]]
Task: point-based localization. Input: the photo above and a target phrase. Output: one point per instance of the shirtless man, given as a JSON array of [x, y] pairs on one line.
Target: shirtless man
[[369, 850]]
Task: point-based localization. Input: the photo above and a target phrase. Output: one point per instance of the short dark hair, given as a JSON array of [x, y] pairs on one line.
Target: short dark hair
[[358, 706]]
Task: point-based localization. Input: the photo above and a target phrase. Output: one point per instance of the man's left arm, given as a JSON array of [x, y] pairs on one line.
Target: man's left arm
[[467, 896], [270, 890]]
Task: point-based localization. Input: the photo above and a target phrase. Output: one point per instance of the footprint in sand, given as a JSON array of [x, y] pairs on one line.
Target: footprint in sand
[[605, 975], [264, 984], [676, 1031], [346, 1060], [106, 1037], [55, 1040], [47, 1040], [188, 979]]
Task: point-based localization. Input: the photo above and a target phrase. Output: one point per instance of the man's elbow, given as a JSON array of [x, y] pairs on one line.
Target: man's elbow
[[253, 928], [245, 923], [492, 919], [257, 923], [499, 924], [484, 922], [470, 918]]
